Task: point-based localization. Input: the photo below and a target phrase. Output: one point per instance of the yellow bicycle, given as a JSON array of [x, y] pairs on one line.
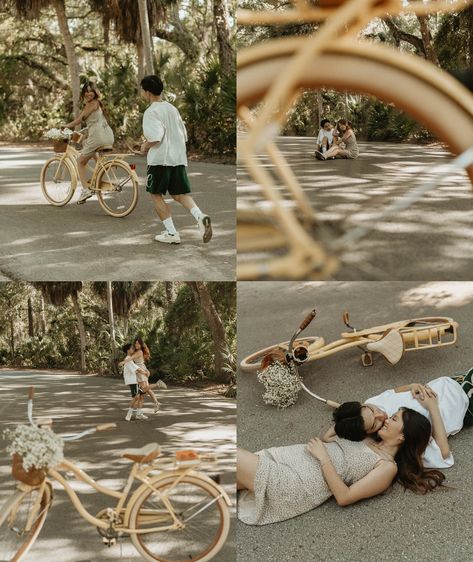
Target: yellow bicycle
[[176, 513], [113, 179], [282, 236]]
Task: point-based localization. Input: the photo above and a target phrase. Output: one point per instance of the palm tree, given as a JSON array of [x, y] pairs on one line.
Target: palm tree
[[57, 293], [31, 10], [146, 37]]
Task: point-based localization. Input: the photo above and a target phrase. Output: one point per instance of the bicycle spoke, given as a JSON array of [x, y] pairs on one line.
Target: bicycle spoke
[[117, 189], [57, 182]]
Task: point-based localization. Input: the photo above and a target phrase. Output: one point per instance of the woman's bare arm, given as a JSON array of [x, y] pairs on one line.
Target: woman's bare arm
[[329, 435]]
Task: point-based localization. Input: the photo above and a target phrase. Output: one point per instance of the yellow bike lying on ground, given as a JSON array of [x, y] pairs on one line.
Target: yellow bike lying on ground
[[113, 179], [176, 513], [389, 340]]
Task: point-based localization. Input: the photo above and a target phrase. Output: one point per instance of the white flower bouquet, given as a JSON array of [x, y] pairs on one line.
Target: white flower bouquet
[[38, 447], [282, 384], [58, 135]]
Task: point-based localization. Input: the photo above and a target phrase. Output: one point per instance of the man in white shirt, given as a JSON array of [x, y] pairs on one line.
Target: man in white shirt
[[165, 145], [130, 369], [355, 420]]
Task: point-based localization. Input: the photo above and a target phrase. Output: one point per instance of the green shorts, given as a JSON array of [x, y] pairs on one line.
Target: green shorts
[[167, 179]]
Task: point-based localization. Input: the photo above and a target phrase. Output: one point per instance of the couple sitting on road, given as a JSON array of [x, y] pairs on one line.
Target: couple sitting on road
[[362, 454], [336, 143]]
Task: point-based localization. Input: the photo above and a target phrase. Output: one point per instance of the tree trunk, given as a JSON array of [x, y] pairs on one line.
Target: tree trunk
[[80, 324], [141, 64], [106, 39], [30, 319], [60, 8], [146, 37], [319, 111], [222, 26], [429, 50], [42, 316], [113, 343], [400, 35], [12, 336], [215, 324]]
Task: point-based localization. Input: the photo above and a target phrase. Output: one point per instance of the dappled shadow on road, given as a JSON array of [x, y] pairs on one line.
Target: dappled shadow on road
[[187, 419], [430, 240]]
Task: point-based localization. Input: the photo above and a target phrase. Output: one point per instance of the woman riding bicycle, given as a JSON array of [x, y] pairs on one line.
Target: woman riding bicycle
[[99, 133]]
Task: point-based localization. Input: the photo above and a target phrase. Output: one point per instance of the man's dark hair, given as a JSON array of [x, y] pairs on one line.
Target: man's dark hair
[[349, 422], [153, 84], [322, 123], [126, 347]]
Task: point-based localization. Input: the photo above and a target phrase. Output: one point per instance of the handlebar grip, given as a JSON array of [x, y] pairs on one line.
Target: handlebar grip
[[307, 320], [31, 393], [105, 426], [346, 317], [332, 404]]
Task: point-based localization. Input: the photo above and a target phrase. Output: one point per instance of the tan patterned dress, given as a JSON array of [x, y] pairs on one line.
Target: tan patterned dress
[[289, 480], [99, 132]]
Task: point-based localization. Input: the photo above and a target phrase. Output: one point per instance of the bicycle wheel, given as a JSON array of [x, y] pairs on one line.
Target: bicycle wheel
[[196, 504], [58, 181], [252, 363], [118, 193], [15, 541], [432, 97]]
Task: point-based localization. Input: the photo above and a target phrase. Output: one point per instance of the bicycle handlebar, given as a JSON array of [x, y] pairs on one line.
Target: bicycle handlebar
[[308, 319]]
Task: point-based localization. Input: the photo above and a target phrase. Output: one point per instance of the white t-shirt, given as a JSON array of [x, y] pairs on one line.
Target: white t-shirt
[[129, 371], [453, 404], [162, 122], [323, 133]]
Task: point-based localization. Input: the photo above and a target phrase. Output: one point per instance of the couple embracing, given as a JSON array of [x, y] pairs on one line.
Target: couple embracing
[[400, 435]]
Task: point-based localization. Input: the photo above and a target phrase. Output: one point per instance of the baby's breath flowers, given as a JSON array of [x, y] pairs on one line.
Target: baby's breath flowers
[[282, 384], [57, 134], [39, 447]]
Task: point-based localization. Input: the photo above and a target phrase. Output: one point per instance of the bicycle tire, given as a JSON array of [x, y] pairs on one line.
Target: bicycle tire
[[58, 201], [8, 536], [252, 363], [126, 204], [184, 550], [377, 70]]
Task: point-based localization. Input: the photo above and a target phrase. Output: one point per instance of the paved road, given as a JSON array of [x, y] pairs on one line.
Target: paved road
[[430, 240], [188, 419], [39, 242], [396, 526]]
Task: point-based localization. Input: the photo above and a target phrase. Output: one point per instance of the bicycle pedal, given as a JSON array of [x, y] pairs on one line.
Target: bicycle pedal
[[367, 359]]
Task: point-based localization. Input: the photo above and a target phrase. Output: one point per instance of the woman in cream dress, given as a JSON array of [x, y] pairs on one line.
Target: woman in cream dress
[[99, 133], [283, 482]]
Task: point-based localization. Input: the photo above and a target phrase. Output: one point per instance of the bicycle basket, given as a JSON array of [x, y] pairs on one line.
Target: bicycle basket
[[32, 477], [60, 145]]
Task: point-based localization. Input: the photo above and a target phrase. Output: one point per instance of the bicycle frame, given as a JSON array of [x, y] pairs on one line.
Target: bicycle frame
[[122, 508]]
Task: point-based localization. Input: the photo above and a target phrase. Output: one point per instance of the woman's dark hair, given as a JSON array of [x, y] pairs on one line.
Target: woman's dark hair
[[322, 123], [93, 88], [144, 349], [349, 421], [126, 347], [153, 84], [411, 472], [344, 122]]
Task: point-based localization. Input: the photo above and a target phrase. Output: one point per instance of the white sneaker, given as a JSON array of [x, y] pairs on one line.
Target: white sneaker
[[168, 238], [205, 228], [156, 407], [84, 195], [128, 416], [141, 417]]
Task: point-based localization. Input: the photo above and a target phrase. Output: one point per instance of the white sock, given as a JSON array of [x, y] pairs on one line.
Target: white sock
[[169, 226], [196, 212]]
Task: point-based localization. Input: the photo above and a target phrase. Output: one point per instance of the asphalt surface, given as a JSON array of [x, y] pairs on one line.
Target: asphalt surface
[[430, 240], [187, 419], [39, 242], [391, 527]]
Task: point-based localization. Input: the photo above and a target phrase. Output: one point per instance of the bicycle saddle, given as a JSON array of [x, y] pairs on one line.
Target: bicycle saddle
[[146, 454], [391, 346]]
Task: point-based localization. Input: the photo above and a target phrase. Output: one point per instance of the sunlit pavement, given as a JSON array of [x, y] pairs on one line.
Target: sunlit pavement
[[432, 239], [42, 242], [187, 419], [396, 526]]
